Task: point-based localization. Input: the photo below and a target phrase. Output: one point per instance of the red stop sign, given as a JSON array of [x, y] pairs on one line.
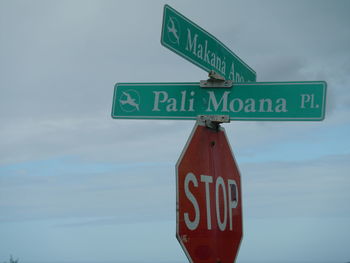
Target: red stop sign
[[209, 200]]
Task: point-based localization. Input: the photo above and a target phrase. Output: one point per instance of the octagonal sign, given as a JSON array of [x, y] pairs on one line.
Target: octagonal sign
[[209, 200]]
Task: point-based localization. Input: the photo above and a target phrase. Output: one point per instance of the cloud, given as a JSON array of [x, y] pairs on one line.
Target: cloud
[[107, 193], [66, 188], [72, 178], [60, 63], [313, 188]]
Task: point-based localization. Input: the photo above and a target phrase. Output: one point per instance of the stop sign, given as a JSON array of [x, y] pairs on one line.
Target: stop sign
[[209, 200]]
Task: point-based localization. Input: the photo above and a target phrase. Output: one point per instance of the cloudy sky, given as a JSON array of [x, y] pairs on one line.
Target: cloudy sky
[[79, 186]]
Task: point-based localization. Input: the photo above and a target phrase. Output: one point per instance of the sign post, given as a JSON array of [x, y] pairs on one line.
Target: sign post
[[209, 207]]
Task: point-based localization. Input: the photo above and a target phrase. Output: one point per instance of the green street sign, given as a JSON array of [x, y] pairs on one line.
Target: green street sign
[[254, 101], [193, 43]]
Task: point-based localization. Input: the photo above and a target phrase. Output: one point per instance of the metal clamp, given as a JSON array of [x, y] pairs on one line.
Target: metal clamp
[[213, 121], [215, 81]]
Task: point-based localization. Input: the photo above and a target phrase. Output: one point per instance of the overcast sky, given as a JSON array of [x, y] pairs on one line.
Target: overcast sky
[[77, 185]]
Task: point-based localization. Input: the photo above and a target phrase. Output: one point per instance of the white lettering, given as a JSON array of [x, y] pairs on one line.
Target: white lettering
[[239, 104], [235, 76], [183, 99], [232, 198], [201, 50], [223, 101], [305, 98], [207, 180], [268, 102], [206, 52], [231, 75], [171, 105], [221, 223], [191, 45], [190, 177], [191, 101], [250, 105], [282, 106], [157, 95], [308, 99], [226, 200], [223, 66]]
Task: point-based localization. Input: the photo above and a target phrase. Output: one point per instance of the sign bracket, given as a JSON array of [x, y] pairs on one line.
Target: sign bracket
[[213, 121], [215, 81]]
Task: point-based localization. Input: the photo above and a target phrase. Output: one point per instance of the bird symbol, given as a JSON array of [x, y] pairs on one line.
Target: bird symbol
[[173, 29], [129, 100]]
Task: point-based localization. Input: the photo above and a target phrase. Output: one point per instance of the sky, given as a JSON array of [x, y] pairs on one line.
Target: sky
[[79, 186]]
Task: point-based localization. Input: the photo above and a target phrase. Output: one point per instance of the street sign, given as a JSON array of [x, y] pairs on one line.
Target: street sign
[[193, 43], [259, 101], [209, 199]]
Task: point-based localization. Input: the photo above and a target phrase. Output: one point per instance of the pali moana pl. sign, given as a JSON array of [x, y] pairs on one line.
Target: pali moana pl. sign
[[259, 101], [193, 43]]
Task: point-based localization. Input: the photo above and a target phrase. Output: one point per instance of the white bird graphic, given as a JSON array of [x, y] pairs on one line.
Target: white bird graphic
[[173, 30], [129, 100]]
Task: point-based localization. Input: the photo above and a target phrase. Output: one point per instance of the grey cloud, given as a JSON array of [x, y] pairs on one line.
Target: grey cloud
[[60, 62], [298, 189], [311, 188], [121, 193]]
